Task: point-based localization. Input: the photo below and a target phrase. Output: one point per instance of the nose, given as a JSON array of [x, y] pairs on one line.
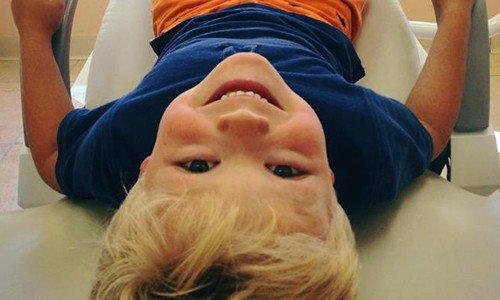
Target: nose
[[243, 122]]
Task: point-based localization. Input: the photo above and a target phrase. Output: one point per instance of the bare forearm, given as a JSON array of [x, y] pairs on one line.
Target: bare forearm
[[45, 102], [436, 96]]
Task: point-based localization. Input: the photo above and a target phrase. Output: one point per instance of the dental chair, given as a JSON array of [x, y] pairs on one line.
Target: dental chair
[[435, 241]]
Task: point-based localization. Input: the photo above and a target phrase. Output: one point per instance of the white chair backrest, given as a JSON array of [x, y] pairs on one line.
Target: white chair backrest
[[389, 51], [122, 55]]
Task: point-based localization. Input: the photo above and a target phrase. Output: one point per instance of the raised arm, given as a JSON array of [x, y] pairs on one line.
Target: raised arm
[[44, 97], [435, 98]]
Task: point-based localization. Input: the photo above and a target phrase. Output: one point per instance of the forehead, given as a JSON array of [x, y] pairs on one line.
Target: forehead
[[295, 210]]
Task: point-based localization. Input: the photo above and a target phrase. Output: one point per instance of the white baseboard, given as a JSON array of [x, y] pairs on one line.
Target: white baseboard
[[80, 47], [425, 31]]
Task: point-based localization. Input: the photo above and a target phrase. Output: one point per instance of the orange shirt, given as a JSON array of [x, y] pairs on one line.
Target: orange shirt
[[343, 14]]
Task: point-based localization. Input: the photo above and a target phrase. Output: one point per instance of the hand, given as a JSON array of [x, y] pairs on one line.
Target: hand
[[458, 7], [38, 17]]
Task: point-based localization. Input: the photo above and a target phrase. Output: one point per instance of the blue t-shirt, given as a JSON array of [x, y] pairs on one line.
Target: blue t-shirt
[[375, 145]]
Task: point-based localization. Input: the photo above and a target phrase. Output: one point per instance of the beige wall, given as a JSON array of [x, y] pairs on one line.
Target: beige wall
[[85, 27], [89, 14], [86, 22], [421, 10]]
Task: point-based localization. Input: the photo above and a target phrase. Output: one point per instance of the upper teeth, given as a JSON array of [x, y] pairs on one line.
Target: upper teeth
[[241, 93]]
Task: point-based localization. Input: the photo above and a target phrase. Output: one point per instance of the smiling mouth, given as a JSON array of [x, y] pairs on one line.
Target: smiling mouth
[[244, 88]]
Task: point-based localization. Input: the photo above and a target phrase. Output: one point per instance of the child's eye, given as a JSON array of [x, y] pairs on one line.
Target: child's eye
[[198, 166], [284, 171], [202, 166]]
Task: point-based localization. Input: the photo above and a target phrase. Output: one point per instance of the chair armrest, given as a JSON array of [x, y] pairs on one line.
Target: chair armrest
[[475, 110], [61, 42]]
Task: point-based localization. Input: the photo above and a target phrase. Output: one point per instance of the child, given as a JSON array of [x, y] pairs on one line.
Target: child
[[225, 142]]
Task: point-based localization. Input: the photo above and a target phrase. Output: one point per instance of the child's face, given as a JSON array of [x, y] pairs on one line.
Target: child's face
[[245, 146]]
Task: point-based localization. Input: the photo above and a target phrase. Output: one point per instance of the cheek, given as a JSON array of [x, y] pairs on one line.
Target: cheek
[[304, 134], [185, 125]]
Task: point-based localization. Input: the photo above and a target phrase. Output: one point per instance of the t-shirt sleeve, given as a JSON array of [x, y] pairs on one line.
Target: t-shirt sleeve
[[377, 147], [85, 166], [405, 147]]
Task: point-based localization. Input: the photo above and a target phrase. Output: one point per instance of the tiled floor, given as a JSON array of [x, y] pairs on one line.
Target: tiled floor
[[11, 136]]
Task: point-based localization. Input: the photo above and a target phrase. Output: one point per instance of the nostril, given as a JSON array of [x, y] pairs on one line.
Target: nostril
[[264, 128], [222, 125]]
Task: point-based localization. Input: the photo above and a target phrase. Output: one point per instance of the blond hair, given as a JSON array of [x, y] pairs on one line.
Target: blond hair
[[198, 245]]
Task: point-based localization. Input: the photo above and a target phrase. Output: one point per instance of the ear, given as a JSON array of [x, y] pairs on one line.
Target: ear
[[144, 165], [332, 177]]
